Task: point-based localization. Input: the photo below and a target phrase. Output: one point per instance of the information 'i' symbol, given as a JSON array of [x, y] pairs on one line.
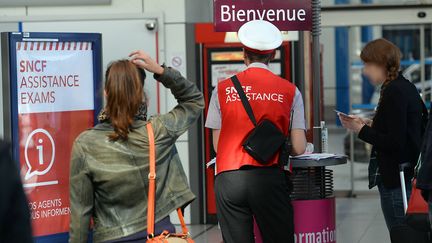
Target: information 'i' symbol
[[40, 150]]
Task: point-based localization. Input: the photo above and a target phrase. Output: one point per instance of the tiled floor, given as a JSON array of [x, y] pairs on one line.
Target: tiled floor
[[359, 220]]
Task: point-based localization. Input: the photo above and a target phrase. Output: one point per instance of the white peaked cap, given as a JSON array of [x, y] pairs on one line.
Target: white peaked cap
[[260, 35]]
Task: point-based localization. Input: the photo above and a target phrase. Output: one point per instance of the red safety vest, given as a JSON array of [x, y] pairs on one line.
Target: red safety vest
[[270, 96]]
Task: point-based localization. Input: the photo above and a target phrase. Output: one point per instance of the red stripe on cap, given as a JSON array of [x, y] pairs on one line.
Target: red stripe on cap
[[19, 46], [258, 51]]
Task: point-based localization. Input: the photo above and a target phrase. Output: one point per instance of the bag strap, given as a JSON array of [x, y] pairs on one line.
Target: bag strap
[[185, 230], [243, 99], [152, 188], [418, 165], [152, 182], [425, 124]]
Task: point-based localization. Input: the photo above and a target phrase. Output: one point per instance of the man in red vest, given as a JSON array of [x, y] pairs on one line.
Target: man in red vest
[[246, 189]]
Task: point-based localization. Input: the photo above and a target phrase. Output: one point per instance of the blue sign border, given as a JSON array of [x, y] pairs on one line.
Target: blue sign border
[[13, 38]]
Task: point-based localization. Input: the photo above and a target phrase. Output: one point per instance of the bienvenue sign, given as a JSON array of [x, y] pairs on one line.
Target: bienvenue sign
[[229, 15]]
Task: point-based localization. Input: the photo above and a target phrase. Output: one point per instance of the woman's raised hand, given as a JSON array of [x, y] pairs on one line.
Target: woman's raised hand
[[144, 61]]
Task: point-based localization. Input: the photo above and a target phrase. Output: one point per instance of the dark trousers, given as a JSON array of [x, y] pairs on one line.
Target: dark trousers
[[262, 193], [392, 205]]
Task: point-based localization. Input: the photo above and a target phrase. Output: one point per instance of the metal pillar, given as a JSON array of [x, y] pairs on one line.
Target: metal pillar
[[422, 61], [316, 73], [301, 65]]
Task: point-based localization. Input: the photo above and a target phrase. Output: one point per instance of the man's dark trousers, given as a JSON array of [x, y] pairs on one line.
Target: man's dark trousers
[[257, 192]]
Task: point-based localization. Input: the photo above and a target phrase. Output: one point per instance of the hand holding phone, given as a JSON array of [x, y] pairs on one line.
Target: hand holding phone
[[340, 113]]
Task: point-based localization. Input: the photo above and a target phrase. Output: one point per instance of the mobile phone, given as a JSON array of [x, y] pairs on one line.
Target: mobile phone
[[342, 114]]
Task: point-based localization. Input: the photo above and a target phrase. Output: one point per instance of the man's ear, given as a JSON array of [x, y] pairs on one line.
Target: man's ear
[[273, 56], [105, 93], [245, 58]]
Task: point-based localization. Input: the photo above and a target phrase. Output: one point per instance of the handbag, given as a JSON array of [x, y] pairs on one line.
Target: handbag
[[266, 139], [417, 214], [165, 237]]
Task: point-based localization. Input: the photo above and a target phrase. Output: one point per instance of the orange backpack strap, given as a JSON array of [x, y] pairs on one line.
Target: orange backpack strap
[[152, 189], [152, 182]]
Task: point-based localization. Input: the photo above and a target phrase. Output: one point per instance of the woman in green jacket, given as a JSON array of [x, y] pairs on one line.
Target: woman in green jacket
[[110, 162]]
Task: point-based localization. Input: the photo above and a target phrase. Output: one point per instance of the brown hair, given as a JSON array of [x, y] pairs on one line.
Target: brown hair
[[124, 89], [383, 53]]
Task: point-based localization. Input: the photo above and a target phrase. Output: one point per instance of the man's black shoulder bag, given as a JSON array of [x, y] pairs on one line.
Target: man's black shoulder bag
[[266, 139]]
